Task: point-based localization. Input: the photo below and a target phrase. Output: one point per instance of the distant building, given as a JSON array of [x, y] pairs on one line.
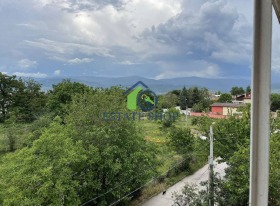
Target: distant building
[[244, 99], [225, 108], [214, 97]]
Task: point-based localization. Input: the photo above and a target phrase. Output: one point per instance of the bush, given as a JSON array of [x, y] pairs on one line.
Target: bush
[[182, 140], [168, 122]]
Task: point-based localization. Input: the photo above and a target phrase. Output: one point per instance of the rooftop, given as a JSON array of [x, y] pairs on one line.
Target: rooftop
[[227, 105]]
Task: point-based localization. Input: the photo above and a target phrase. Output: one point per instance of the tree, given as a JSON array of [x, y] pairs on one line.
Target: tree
[[237, 91], [198, 107], [61, 95], [176, 92], [82, 157], [231, 134], [225, 97], [8, 87], [29, 101], [167, 101], [248, 89], [233, 147], [183, 102], [275, 102], [121, 146], [191, 196], [233, 189], [182, 140], [21, 100], [196, 97], [45, 174], [189, 97]]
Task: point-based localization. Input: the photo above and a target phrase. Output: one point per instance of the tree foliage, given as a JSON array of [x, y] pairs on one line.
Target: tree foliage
[[237, 91], [44, 174], [120, 145], [182, 140], [71, 162], [21, 100], [29, 102], [225, 98], [196, 98], [232, 133], [168, 100], [61, 95], [275, 102], [231, 142], [248, 89], [183, 102], [8, 87]]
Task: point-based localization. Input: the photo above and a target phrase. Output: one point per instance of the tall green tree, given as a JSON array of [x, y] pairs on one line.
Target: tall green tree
[[231, 134], [275, 102], [29, 101], [183, 101], [196, 96], [61, 95], [237, 91], [168, 101], [248, 89], [182, 140], [96, 122], [225, 97], [9, 85], [198, 99]]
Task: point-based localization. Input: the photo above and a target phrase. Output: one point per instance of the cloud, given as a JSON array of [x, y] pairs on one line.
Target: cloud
[[128, 62], [80, 61], [32, 75], [57, 72], [26, 63], [199, 68], [216, 31], [66, 48], [94, 27], [178, 37]]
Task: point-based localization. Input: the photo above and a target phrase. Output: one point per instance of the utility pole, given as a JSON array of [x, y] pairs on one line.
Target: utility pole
[[186, 112], [211, 173]]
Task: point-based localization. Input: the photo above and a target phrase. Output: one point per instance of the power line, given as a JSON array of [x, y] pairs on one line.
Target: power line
[[147, 182], [201, 175], [131, 192], [109, 191], [112, 189]]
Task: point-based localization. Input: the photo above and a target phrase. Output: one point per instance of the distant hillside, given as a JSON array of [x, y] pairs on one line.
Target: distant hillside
[[159, 86]]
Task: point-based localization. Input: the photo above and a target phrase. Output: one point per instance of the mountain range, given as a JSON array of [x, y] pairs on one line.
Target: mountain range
[[159, 86]]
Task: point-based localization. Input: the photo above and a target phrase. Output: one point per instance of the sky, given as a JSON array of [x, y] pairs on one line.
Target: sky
[[155, 39]]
